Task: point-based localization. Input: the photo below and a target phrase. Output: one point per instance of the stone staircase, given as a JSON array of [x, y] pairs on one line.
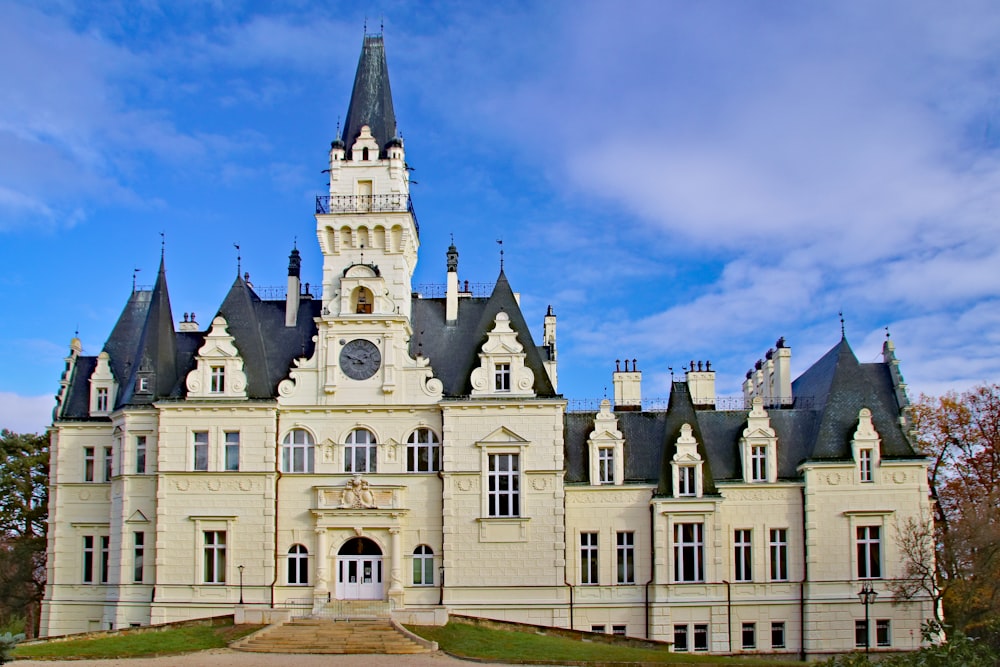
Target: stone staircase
[[322, 635]]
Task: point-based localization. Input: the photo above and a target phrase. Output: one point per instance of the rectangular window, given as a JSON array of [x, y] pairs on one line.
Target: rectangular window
[[883, 635], [869, 552], [138, 555], [742, 555], [102, 399], [502, 377], [758, 463], [598, 628], [232, 450], [108, 458], [105, 558], [620, 630], [215, 557], [680, 637], [626, 557], [778, 635], [689, 551], [588, 559], [140, 455], [860, 633], [504, 487], [685, 481], [606, 465], [865, 464], [88, 464], [749, 635], [88, 559], [218, 381], [701, 637], [779, 554], [142, 386], [201, 450]]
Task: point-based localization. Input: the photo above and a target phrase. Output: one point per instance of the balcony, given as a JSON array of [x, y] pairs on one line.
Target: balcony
[[394, 203]]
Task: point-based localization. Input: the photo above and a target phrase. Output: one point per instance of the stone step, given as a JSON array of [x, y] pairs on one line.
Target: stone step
[[332, 637]]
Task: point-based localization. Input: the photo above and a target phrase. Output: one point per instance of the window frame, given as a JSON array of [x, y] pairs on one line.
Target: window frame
[[199, 451], [589, 564], [743, 555], [217, 379], [883, 632], [214, 557], [138, 556], [108, 461], [231, 440], [687, 481], [297, 565], [778, 554], [140, 454], [105, 561], [758, 463], [89, 464], [497, 497], [680, 644], [689, 552], [423, 443], [102, 399], [700, 637], [423, 565], [360, 456], [866, 460], [860, 633], [605, 465], [291, 447], [778, 637], [89, 559], [501, 376], [869, 551], [748, 636], [625, 557]]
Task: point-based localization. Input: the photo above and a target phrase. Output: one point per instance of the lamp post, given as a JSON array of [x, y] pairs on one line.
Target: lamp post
[[867, 596], [240, 568]]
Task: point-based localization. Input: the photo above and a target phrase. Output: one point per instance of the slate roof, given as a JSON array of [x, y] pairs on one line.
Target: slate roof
[[837, 385], [453, 348], [371, 98]]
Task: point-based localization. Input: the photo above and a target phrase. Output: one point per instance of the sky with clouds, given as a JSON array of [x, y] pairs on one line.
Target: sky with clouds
[[678, 180]]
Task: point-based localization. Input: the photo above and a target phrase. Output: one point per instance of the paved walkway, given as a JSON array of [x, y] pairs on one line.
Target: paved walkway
[[229, 658]]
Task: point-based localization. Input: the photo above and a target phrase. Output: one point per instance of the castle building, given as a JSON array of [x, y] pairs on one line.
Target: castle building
[[365, 442]]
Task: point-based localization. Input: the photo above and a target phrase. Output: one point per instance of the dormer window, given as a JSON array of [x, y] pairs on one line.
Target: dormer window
[[142, 385], [502, 377], [606, 448], [218, 380], [758, 463], [606, 465], [865, 464], [102, 399], [686, 481]]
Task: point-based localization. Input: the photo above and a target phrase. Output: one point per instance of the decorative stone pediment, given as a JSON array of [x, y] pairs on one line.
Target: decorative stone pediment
[[866, 438], [137, 517], [103, 388], [759, 440], [606, 447], [503, 436], [364, 140], [501, 369], [686, 465], [219, 372]]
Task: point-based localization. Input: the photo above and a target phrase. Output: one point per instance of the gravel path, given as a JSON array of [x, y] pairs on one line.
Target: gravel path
[[229, 658]]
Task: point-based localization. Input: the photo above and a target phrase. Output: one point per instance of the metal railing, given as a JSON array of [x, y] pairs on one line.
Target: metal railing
[[732, 403], [439, 291], [391, 203]]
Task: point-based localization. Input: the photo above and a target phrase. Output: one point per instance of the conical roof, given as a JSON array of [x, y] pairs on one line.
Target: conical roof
[[371, 99]]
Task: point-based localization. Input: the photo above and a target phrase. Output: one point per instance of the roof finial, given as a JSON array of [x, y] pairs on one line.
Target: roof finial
[[381, 24], [366, 25], [671, 369], [500, 243], [134, 271], [163, 244], [842, 332], [887, 333], [239, 259]]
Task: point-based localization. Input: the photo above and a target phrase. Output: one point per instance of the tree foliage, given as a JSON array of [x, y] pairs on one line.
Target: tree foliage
[[961, 435], [24, 476]]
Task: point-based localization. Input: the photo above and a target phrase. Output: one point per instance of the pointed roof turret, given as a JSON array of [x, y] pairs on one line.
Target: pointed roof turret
[[371, 99]]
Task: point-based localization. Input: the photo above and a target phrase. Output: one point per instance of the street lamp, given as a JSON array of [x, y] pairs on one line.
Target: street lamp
[[240, 568], [867, 596]]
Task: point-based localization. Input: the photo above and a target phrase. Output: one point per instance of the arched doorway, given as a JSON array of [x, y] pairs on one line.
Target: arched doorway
[[359, 570]]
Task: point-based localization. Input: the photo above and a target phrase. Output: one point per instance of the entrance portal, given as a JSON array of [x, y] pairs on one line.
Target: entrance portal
[[359, 570]]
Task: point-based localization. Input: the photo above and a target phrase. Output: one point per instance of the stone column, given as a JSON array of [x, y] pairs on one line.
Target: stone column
[[322, 561], [395, 567]]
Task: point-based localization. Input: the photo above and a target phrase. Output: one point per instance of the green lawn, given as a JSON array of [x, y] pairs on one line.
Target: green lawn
[[139, 644], [472, 641]]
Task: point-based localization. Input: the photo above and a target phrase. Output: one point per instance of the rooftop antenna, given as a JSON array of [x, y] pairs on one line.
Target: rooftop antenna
[[500, 243], [134, 271], [239, 259], [842, 333]]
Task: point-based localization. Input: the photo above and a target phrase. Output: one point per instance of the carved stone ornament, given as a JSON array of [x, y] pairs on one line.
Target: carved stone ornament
[[357, 494]]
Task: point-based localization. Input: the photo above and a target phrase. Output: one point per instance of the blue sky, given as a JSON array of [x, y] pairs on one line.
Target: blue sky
[[678, 180]]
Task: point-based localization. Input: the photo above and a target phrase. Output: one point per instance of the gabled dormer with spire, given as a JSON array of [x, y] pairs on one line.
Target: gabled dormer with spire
[[367, 218]]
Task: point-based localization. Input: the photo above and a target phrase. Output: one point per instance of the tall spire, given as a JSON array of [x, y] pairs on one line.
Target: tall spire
[[371, 99]]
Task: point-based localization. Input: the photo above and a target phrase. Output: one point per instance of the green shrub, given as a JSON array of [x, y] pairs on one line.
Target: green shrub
[[7, 641]]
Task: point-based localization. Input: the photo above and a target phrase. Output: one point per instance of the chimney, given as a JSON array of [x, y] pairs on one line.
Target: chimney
[[628, 387], [451, 296], [782, 374], [701, 383], [292, 296], [549, 341], [189, 323]]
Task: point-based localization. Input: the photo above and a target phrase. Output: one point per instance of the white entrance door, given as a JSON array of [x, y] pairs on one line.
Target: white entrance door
[[359, 578]]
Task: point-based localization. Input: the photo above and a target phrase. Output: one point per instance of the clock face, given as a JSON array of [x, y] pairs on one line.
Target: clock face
[[360, 359]]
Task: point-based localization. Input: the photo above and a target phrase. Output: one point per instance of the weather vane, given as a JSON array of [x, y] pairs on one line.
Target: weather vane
[[239, 259], [500, 243]]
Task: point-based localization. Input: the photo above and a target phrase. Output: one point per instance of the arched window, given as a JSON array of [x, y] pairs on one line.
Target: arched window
[[297, 451], [360, 452], [423, 566], [298, 565], [423, 451], [364, 301]]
